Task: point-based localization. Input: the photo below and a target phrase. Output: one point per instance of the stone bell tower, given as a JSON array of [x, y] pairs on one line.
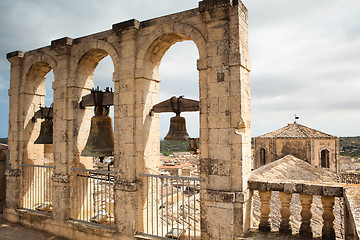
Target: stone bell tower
[[219, 29]]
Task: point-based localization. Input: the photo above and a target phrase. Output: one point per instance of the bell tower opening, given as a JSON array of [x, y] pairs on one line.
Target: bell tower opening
[[38, 106], [95, 72], [179, 77], [48, 104]]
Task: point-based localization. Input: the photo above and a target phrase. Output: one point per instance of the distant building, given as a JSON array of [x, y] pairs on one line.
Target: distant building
[[178, 170], [315, 147]]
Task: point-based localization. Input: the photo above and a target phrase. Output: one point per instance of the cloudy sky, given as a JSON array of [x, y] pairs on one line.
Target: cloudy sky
[[305, 55]]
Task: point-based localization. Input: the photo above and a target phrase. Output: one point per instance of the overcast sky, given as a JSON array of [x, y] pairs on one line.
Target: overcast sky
[[305, 55]]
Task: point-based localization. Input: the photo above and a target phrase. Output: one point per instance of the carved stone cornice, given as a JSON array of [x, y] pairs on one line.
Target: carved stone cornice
[[127, 186]]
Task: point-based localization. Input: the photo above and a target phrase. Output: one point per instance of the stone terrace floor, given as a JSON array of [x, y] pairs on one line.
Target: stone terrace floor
[[10, 231]]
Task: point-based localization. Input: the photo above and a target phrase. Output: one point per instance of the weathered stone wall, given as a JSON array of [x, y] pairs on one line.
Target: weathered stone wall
[[219, 30], [305, 149], [332, 146], [2, 179], [299, 148]]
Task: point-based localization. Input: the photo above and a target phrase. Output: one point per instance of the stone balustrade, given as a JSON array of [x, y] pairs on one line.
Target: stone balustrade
[[306, 191]]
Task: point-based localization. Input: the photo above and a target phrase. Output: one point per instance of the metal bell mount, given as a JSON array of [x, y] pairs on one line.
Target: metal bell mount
[[46, 128], [100, 142], [177, 129]]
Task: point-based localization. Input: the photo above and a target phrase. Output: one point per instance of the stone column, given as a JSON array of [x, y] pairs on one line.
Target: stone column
[[285, 227], [305, 228], [225, 121], [13, 174], [265, 225], [328, 231], [62, 203], [129, 135]]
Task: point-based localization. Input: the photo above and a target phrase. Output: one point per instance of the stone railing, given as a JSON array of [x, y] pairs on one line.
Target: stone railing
[[350, 178], [352, 211], [306, 191]]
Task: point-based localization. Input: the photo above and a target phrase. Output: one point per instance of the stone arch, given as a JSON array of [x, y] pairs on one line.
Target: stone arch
[[262, 156], [166, 35], [151, 49], [33, 95], [37, 67], [90, 55], [324, 158], [86, 65]]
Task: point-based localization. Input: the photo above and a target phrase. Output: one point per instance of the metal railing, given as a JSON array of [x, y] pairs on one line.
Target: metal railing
[[172, 208], [94, 196], [37, 188]]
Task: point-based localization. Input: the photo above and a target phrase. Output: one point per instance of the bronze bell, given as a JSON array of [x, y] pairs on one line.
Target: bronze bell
[[177, 129], [46, 132], [100, 142]]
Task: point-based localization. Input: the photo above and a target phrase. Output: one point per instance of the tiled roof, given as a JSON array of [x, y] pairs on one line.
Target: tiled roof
[[290, 168], [296, 130]]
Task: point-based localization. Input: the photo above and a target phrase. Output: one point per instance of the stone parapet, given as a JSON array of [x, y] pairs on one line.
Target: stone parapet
[[301, 187], [352, 214]]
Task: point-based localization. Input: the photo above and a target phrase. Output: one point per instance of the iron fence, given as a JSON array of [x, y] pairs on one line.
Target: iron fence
[[37, 187], [172, 208], [94, 196]]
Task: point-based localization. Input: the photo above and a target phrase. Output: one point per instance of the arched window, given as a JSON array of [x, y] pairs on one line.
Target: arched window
[[262, 156], [325, 163]]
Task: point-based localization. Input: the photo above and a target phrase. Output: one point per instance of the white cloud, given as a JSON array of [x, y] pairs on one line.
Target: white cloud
[[305, 54]]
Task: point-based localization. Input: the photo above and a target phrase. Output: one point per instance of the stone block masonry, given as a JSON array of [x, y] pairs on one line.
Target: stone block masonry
[[219, 30]]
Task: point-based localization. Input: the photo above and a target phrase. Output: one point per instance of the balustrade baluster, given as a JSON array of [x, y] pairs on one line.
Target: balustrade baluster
[[285, 227], [305, 228], [328, 231], [265, 225]]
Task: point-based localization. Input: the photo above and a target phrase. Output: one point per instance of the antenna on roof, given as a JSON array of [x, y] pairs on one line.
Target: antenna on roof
[[296, 117]]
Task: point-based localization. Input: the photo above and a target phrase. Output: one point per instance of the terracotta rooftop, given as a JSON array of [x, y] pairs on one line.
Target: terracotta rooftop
[[296, 130]]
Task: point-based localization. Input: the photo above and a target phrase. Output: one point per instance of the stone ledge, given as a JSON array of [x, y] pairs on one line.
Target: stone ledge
[[33, 215], [301, 187], [352, 201], [61, 178], [223, 196], [127, 186], [62, 45], [132, 23], [17, 54], [207, 4], [65, 41], [89, 228]]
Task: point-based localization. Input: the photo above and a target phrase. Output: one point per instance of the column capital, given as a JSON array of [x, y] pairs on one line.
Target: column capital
[[15, 57], [208, 4], [62, 45]]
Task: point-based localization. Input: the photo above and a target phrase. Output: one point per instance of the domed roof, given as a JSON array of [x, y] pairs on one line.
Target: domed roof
[[296, 130]]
